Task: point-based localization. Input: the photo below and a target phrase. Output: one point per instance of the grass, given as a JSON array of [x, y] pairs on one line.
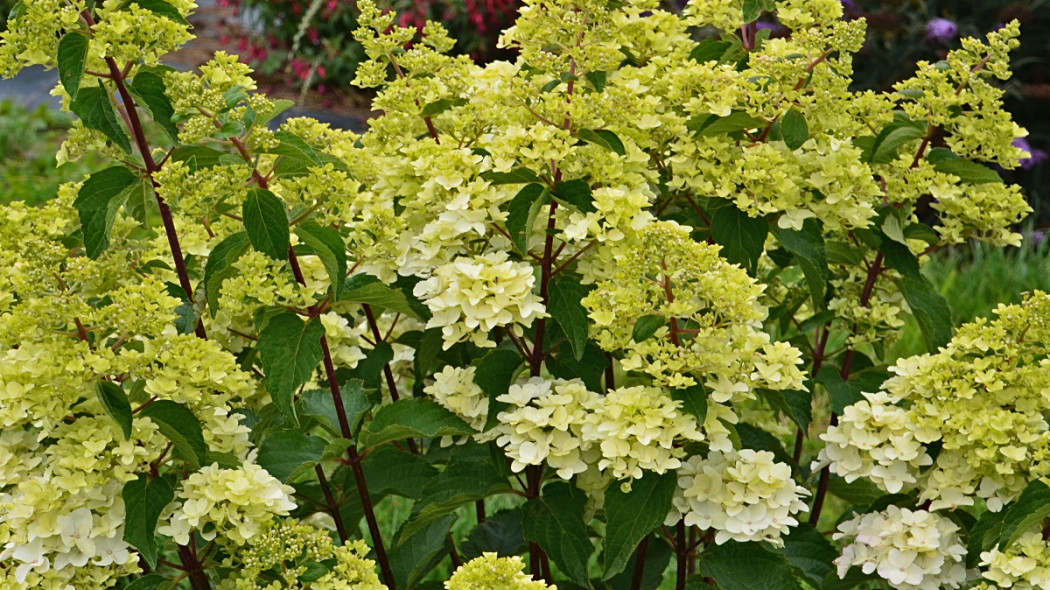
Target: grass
[[29, 141]]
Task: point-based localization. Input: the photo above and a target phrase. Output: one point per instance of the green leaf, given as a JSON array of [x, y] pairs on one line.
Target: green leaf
[[884, 149], [555, 522], [266, 223], [796, 405], [439, 106], [328, 245], [97, 203], [95, 109], [144, 499], [364, 288], [501, 533], [318, 404], [930, 309], [807, 245], [412, 556], [412, 418], [289, 351], [646, 326], [793, 129], [741, 236], [968, 172], [747, 566], [737, 121], [163, 9], [590, 367], [289, 453], [515, 176], [576, 194], [220, 266], [694, 401], [72, 55], [197, 157], [564, 305], [389, 470], [370, 369], [151, 94], [844, 393], [464, 481], [854, 577], [938, 154], [597, 80], [809, 553], [16, 12], [181, 426], [710, 49], [630, 516], [1028, 511], [148, 582], [604, 138], [753, 437], [117, 405], [494, 373], [657, 555], [522, 212], [984, 535], [860, 492], [843, 253], [753, 9]]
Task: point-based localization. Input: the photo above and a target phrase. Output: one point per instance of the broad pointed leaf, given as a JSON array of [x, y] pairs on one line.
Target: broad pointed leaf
[[116, 404], [412, 418], [220, 266], [604, 138], [747, 566], [95, 108], [289, 453], [522, 212], [289, 350], [144, 499], [97, 203], [564, 305], [793, 129], [807, 245], [1028, 511], [555, 522], [328, 245], [741, 236], [576, 194], [150, 91], [181, 426], [930, 310], [630, 516], [72, 55], [364, 288], [266, 223]]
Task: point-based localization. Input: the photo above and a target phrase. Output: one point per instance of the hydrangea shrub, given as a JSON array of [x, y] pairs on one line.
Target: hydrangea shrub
[[633, 290]]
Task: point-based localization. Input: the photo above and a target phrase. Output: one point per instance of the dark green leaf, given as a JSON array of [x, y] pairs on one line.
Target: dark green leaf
[[1028, 511], [657, 555], [731, 123], [149, 582], [328, 245], [494, 373], [796, 405], [810, 553], [747, 566], [555, 522], [710, 49], [968, 172], [884, 149], [576, 194], [793, 128], [844, 393], [144, 499], [318, 404], [597, 80], [164, 9], [266, 223], [938, 154], [694, 401], [564, 305], [364, 288], [753, 437], [930, 309], [197, 157], [95, 109], [151, 93], [220, 266], [72, 55], [741, 236], [289, 351], [412, 418], [464, 481], [370, 369], [182, 428], [439, 106], [646, 326], [116, 404], [604, 138], [983, 536], [501, 533], [389, 470], [900, 258], [807, 245], [522, 212], [860, 492], [753, 9], [630, 516], [412, 556], [97, 203], [854, 577], [843, 253], [515, 176], [16, 12], [289, 453]]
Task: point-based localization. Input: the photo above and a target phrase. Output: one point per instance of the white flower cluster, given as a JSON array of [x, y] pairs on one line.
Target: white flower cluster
[[543, 423], [239, 502], [454, 388], [912, 550], [873, 439], [743, 495], [1025, 565], [472, 295]]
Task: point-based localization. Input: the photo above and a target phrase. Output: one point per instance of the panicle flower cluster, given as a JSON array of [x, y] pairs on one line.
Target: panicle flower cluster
[[237, 502], [492, 571], [711, 314], [285, 549], [455, 389], [1024, 565], [743, 495], [910, 549], [874, 439], [471, 296]]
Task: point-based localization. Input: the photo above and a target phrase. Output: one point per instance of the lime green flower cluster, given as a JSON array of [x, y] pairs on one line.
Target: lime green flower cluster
[[492, 571], [455, 389], [1022, 566], [277, 557]]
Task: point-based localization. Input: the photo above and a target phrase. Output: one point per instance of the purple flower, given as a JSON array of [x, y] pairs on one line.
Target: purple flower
[[1035, 157], [763, 24], [941, 29]]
